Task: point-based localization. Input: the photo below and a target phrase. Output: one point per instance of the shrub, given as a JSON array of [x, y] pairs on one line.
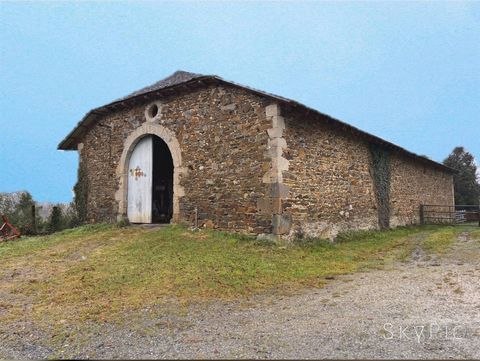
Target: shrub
[[81, 194], [56, 221]]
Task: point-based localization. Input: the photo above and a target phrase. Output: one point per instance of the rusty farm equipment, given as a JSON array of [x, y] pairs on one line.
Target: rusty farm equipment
[[7, 231]]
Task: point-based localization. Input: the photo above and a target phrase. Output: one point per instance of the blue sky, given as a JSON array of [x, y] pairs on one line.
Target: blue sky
[[406, 71]]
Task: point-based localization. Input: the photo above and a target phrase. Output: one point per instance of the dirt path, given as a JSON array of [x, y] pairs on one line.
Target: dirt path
[[428, 307]]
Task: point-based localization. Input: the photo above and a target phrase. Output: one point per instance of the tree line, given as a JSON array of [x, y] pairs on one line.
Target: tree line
[[23, 212], [466, 180]]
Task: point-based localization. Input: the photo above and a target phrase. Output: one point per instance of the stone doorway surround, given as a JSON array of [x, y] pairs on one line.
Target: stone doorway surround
[[122, 169]]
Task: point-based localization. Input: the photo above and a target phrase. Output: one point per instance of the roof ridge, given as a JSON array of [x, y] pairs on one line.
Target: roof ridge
[[177, 77]]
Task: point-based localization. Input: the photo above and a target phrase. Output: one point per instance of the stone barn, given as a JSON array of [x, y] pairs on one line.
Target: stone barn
[[199, 150]]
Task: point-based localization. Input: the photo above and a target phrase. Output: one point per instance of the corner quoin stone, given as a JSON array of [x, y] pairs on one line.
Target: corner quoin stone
[[279, 190], [281, 223]]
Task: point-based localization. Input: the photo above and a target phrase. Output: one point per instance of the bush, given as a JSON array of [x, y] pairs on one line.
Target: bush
[[81, 193], [71, 218], [17, 206]]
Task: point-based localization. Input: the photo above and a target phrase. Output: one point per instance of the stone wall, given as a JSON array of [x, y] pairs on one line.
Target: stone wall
[[413, 184], [253, 166], [222, 133], [331, 188]]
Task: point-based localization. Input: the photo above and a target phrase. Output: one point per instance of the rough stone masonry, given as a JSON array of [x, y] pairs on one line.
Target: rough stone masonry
[[252, 162]]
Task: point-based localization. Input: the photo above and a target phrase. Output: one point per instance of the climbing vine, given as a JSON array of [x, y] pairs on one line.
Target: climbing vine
[[380, 166], [81, 193]]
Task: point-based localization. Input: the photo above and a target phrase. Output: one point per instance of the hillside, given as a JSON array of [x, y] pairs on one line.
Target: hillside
[[98, 276], [99, 271]]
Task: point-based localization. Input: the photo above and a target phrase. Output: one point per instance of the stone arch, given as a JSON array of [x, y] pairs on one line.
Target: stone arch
[[122, 169]]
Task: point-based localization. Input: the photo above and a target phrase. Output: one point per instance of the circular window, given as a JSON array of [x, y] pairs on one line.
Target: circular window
[[153, 111]]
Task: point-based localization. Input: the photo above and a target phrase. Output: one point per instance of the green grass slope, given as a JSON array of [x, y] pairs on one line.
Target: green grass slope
[[98, 272]]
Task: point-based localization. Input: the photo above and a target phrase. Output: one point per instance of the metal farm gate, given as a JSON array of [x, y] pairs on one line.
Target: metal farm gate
[[452, 215]]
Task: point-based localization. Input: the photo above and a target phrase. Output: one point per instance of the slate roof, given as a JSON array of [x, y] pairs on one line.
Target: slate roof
[[176, 78], [183, 79]]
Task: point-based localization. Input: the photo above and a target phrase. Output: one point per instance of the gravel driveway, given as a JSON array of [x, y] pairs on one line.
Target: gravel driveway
[[424, 308]]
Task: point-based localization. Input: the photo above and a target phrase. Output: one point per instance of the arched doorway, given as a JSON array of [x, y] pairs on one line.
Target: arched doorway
[[150, 182], [162, 189]]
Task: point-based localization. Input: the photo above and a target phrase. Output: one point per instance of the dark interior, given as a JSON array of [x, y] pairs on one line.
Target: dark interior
[[162, 192]]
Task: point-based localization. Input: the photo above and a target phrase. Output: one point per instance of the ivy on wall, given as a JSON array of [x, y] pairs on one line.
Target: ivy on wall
[[81, 194], [380, 167]]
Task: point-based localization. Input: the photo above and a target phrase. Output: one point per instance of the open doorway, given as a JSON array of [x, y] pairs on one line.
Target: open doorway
[[162, 182]]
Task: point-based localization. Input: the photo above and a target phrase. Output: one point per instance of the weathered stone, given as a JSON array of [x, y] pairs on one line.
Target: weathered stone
[[248, 165], [229, 107], [209, 224], [274, 152], [272, 110], [281, 223], [280, 163], [264, 206], [279, 190], [269, 205], [268, 237], [272, 176], [278, 122], [207, 140], [275, 132], [277, 142], [329, 172]]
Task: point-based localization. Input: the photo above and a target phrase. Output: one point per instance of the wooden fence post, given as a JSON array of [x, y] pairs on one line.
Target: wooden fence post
[[34, 220], [422, 216]]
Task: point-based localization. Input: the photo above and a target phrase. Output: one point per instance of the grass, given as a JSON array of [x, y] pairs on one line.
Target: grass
[[475, 234], [99, 272], [440, 241]]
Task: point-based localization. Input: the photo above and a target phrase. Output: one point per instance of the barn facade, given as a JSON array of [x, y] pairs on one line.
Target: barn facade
[[199, 150]]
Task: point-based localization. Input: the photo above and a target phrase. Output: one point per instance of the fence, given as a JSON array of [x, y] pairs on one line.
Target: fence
[[452, 215]]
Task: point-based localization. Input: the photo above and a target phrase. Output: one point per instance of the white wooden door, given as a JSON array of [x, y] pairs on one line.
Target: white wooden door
[[140, 182]]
